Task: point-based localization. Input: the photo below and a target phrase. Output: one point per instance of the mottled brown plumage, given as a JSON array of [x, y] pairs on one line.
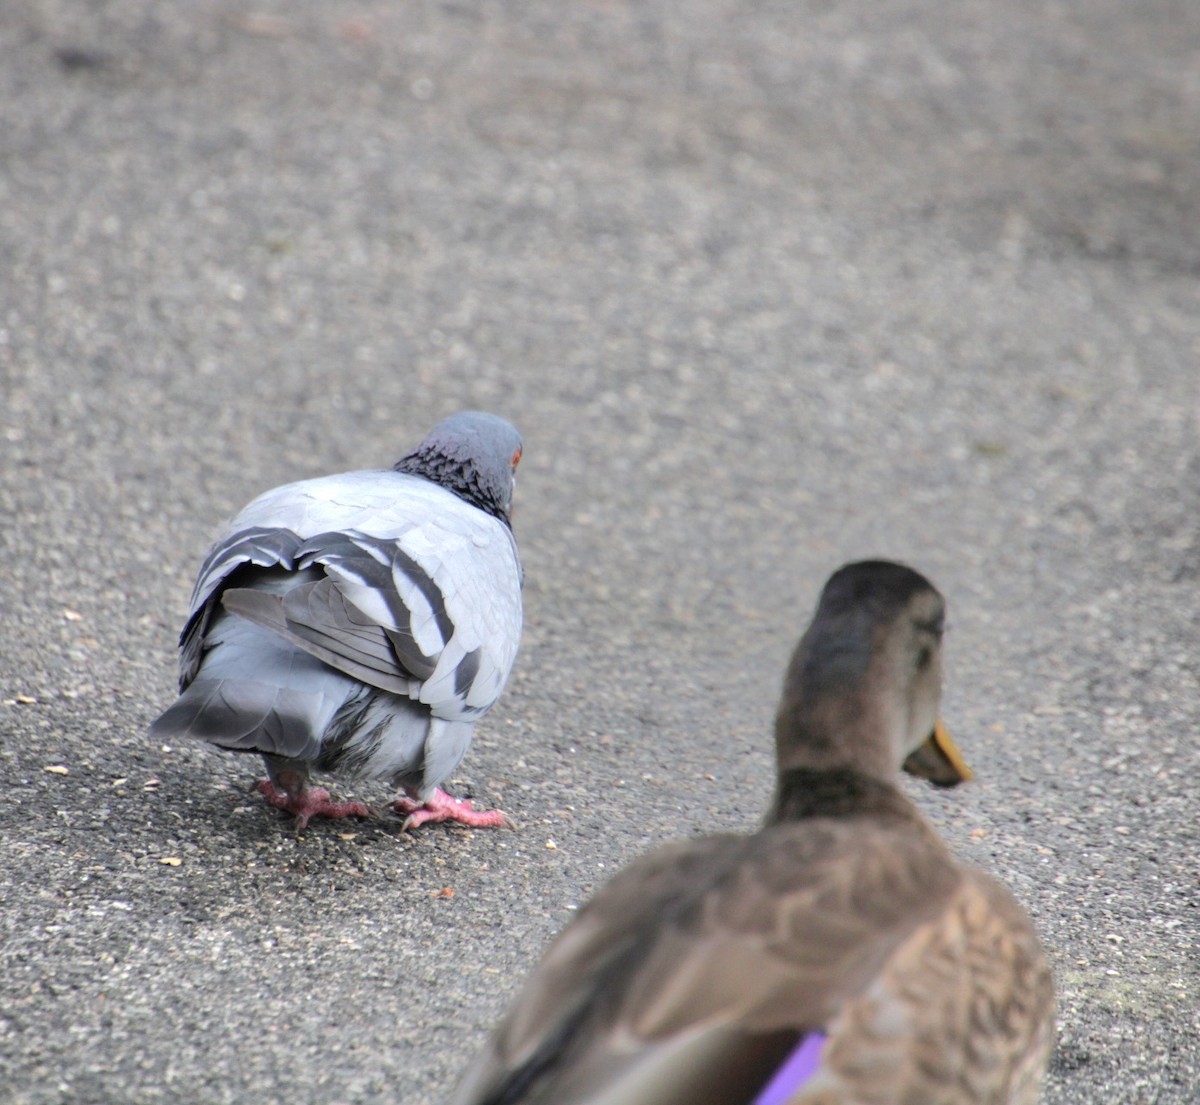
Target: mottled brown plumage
[[694, 974]]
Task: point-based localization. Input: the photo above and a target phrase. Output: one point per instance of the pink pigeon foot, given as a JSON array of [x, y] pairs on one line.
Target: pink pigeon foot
[[442, 807], [310, 802]]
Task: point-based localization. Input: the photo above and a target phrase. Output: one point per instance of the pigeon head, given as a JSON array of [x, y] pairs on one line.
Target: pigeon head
[[473, 454], [864, 685]]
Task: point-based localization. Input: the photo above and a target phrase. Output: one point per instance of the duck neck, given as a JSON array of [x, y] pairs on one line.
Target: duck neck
[[837, 792], [827, 732]]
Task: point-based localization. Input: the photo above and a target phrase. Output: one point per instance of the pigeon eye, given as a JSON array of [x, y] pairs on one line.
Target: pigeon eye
[[516, 458]]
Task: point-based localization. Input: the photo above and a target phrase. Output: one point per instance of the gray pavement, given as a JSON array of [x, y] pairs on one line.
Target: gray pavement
[[767, 286]]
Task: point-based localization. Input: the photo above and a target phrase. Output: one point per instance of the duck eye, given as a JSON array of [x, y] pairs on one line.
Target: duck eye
[[935, 625]]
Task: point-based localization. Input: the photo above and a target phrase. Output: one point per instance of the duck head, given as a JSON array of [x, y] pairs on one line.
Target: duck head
[[864, 685]]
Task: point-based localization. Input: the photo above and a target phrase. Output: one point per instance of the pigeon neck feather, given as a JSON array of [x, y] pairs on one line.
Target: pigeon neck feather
[[457, 474]]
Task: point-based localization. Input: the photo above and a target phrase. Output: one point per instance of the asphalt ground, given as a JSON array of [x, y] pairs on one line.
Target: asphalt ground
[[767, 287]]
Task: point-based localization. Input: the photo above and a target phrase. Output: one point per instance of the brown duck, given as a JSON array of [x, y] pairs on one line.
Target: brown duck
[[839, 955]]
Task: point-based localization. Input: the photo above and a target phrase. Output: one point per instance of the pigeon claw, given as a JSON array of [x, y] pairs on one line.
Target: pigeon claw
[[441, 806], [309, 803]]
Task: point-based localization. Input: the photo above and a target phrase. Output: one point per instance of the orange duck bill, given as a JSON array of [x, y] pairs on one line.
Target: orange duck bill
[[938, 760]]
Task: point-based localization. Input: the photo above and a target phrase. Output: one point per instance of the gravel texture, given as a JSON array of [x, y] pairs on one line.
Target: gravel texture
[[766, 286]]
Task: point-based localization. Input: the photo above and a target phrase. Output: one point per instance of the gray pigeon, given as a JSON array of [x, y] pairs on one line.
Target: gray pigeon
[[839, 955], [361, 624]]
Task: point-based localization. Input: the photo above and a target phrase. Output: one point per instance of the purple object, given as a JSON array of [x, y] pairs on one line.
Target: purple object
[[797, 1069]]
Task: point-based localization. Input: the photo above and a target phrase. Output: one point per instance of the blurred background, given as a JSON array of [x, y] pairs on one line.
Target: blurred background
[[766, 286]]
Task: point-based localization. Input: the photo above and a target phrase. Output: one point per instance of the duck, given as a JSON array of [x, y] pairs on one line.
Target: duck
[[839, 954], [361, 624]]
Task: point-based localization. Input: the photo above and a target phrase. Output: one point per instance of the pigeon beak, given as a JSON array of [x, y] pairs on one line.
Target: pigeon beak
[[938, 760]]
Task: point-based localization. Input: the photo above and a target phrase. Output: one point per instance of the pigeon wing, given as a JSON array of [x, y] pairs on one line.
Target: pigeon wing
[[420, 592]]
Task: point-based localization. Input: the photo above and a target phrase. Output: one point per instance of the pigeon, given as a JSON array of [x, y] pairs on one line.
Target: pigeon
[[838, 955], [361, 624]]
